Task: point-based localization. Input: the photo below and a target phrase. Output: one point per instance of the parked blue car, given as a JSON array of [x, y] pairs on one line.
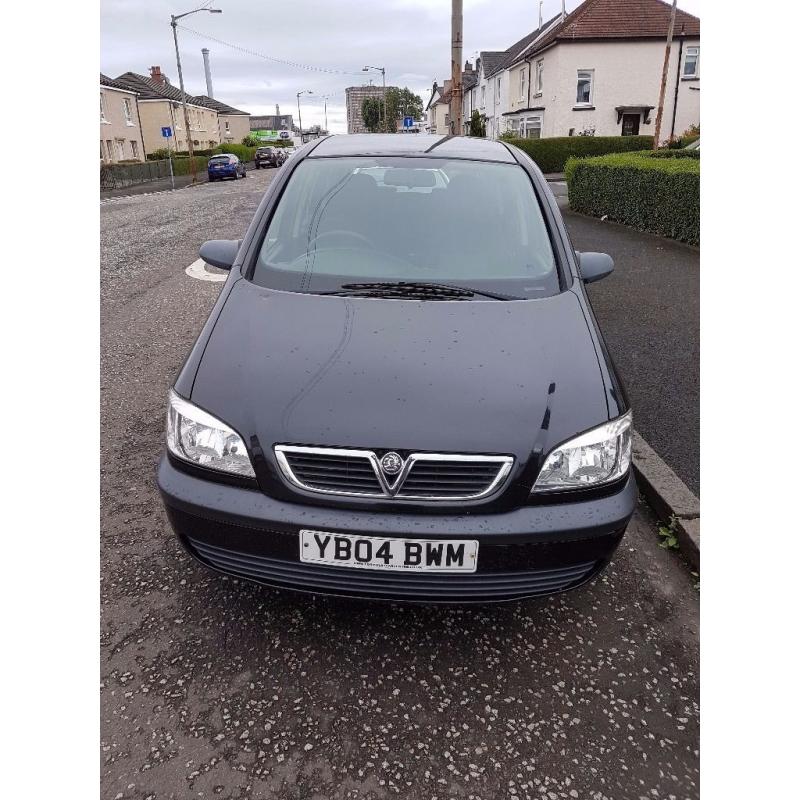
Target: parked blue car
[[225, 165]]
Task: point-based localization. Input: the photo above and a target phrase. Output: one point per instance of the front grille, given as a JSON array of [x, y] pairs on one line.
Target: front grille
[[391, 585], [334, 473], [448, 478], [424, 476]]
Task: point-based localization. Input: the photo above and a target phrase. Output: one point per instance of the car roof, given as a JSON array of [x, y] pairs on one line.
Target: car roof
[[412, 144], [220, 155]]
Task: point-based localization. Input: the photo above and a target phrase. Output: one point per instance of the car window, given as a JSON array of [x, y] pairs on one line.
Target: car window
[[219, 160], [343, 220]]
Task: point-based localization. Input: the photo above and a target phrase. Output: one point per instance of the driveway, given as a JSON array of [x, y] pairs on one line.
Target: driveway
[[215, 688]]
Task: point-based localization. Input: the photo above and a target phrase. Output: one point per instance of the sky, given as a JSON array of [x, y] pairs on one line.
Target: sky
[[332, 40]]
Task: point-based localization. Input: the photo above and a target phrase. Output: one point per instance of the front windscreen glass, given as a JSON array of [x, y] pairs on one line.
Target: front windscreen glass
[[357, 220]]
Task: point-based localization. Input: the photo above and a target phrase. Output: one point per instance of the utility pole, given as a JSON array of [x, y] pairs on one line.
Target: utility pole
[[660, 112], [174, 23], [456, 96], [299, 117]]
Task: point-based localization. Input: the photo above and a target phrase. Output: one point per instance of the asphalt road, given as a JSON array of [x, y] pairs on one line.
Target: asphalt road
[[649, 312], [215, 688]]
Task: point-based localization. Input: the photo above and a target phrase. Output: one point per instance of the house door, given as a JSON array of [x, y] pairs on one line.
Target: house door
[[630, 124]]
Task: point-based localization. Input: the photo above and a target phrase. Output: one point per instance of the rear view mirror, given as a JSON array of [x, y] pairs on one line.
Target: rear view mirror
[[220, 253], [594, 266]]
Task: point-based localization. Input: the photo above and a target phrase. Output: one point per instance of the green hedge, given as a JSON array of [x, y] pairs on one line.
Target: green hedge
[[551, 154], [674, 154], [242, 151], [180, 165], [650, 192]]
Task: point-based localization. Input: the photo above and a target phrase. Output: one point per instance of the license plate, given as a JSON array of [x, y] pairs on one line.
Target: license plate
[[377, 552]]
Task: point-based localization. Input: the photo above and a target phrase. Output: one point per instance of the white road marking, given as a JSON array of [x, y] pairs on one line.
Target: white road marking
[[197, 269]]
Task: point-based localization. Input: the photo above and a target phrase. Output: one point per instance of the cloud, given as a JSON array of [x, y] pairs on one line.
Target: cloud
[[410, 38]]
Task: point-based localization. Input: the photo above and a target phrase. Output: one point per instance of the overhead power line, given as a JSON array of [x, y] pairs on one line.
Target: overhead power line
[[257, 54]]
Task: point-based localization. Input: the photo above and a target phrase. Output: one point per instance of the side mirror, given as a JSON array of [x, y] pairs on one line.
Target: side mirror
[[594, 266], [220, 253]]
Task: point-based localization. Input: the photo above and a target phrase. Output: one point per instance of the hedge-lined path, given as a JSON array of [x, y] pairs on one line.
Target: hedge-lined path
[[649, 312]]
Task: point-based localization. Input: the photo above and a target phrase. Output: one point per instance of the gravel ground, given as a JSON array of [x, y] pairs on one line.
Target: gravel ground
[[215, 688]]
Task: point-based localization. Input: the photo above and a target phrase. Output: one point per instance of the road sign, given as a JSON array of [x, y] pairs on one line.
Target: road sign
[[408, 122], [166, 132]]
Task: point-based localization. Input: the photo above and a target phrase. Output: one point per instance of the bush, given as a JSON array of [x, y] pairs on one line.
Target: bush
[[243, 152], [251, 141], [551, 154], [180, 165], [674, 154], [654, 193]]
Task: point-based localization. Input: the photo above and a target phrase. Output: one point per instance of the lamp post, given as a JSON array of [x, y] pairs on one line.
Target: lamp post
[[174, 23], [382, 71], [299, 116]]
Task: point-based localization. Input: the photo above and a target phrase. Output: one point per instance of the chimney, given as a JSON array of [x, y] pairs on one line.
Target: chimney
[[467, 67], [157, 76], [207, 65], [277, 110]]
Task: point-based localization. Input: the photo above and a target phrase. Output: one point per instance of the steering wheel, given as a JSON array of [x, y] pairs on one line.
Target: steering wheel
[[340, 233]]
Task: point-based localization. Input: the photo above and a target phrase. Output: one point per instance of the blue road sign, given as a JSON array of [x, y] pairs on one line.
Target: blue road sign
[[166, 132], [408, 122]]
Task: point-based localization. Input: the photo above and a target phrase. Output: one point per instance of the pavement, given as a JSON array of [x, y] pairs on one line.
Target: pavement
[[649, 313], [160, 185], [216, 688]]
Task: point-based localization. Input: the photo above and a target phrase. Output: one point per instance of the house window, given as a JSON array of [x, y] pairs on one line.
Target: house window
[[522, 84], [691, 62], [497, 90], [102, 108], [126, 104], [533, 127], [120, 149], [227, 126], [585, 88], [135, 148], [539, 75], [483, 96], [102, 151]]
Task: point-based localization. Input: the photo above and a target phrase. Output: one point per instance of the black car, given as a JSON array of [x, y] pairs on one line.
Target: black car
[[402, 391], [269, 157], [225, 165]]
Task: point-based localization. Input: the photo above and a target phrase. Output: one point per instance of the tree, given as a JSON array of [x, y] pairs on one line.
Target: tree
[[477, 124], [402, 103], [371, 113]]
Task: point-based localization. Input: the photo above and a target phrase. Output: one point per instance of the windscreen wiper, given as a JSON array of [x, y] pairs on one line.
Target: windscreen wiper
[[418, 289]]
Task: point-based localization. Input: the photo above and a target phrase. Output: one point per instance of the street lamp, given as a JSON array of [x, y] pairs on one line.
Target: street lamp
[[299, 116], [382, 71], [174, 22]]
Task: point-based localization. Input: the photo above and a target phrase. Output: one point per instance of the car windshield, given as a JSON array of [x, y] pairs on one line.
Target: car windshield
[[219, 160], [477, 225]]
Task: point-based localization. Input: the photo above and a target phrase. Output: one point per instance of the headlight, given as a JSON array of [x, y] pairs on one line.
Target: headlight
[[598, 456], [195, 436]]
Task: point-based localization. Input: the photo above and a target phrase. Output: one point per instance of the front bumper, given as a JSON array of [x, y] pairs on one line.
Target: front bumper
[[530, 551]]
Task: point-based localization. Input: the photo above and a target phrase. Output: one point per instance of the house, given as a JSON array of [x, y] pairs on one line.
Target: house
[[469, 82], [233, 125], [488, 89], [160, 107], [120, 127], [598, 72], [438, 109]]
